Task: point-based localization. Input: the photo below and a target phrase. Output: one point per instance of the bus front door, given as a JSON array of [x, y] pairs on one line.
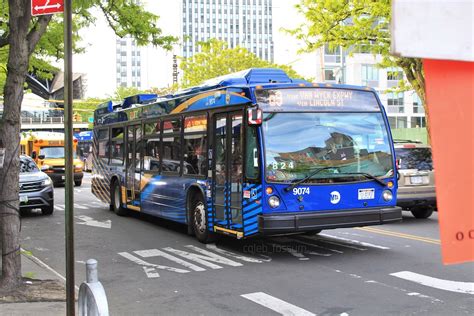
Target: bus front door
[[227, 175], [133, 171]]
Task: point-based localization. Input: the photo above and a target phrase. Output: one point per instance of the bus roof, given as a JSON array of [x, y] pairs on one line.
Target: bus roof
[[246, 80]]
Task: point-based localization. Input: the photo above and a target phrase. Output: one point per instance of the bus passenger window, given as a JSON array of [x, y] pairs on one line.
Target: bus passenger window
[[117, 146]]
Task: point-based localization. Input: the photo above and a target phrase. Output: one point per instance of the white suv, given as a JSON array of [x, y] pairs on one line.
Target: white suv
[[416, 186]]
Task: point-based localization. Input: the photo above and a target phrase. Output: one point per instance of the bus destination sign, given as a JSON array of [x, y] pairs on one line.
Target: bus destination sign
[[317, 99]]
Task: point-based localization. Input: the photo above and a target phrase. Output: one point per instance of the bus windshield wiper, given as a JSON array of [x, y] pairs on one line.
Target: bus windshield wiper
[[312, 174], [367, 175]]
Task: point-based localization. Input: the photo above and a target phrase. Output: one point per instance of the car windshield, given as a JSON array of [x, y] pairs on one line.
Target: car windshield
[[54, 152], [414, 158], [27, 165], [297, 144]]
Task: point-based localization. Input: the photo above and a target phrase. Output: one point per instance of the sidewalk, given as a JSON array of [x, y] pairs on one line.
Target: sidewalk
[[34, 270]]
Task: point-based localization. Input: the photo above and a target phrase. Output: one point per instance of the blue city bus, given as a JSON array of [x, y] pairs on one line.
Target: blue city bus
[[251, 153]]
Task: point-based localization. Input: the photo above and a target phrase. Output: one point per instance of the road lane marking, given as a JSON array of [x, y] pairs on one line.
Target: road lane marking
[[59, 208], [81, 207], [205, 258], [150, 268], [447, 285], [276, 304], [89, 221], [356, 242], [233, 255], [286, 239], [158, 253], [400, 235], [336, 243], [295, 253]]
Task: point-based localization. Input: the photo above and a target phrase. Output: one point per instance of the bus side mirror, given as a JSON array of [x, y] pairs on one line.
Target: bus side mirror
[[41, 157], [33, 155], [254, 116]]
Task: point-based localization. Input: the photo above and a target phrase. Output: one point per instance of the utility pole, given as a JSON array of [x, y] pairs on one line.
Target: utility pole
[[69, 191]]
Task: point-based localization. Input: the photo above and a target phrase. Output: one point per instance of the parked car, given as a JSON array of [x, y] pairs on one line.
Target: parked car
[[416, 186], [36, 188]]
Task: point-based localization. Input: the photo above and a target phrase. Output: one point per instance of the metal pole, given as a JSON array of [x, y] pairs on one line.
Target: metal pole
[[69, 192]]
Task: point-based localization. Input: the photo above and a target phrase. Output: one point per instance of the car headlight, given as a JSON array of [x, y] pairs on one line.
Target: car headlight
[[274, 201], [387, 195], [47, 182]]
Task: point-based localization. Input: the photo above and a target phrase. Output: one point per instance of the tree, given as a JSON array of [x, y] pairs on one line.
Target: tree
[[217, 59], [33, 40], [357, 25]]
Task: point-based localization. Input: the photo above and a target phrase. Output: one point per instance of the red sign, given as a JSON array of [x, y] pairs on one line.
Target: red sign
[[42, 7]]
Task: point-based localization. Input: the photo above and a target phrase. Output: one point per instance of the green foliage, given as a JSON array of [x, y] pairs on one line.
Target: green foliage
[[217, 59]]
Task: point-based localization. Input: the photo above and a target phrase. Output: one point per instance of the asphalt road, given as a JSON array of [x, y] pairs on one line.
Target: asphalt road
[[150, 266]]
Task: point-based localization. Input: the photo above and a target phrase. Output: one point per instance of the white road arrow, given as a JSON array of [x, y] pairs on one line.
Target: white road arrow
[[447, 285], [89, 221]]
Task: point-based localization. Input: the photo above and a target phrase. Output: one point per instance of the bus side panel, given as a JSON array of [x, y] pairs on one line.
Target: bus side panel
[[165, 196], [251, 207], [100, 181]]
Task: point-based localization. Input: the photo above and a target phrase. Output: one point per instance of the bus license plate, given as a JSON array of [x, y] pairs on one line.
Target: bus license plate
[[366, 194], [63, 177], [416, 180], [24, 199]]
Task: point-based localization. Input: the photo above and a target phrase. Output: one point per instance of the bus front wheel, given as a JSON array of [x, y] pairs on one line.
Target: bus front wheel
[[199, 220], [116, 199]]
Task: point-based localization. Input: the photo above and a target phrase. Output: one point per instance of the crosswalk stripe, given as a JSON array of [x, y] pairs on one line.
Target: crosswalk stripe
[[276, 304], [447, 285]]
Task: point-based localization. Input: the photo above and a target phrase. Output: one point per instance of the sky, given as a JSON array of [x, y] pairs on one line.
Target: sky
[[98, 63]]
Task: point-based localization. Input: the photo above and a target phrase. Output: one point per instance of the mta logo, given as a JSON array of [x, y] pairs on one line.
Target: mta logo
[[335, 197]]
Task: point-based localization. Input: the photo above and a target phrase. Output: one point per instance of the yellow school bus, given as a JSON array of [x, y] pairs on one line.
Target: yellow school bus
[[47, 150]]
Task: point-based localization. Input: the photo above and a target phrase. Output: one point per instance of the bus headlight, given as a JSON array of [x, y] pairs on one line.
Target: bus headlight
[[387, 195], [274, 201]]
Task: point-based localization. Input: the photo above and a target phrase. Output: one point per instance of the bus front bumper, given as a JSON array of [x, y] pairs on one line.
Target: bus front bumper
[[308, 221]]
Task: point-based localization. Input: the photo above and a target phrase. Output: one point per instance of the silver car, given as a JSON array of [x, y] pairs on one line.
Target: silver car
[[36, 188], [416, 185]]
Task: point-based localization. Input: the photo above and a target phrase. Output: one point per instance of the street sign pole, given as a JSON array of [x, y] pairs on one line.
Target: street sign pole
[[69, 192]]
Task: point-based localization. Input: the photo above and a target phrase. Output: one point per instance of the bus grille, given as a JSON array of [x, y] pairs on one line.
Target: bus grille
[[30, 186]]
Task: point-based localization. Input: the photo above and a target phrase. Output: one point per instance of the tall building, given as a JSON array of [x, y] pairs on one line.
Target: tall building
[[246, 23], [128, 63]]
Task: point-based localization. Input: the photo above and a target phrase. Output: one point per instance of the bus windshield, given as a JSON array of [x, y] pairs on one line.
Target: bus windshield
[[344, 144], [54, 152]]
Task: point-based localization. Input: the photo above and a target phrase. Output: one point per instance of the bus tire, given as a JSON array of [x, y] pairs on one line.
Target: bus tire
[[198, 213], [115, 200], [78, 183], [422, 212]]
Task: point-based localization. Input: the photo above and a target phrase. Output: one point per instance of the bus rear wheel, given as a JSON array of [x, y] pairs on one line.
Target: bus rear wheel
[[199, 220], [115, 200]]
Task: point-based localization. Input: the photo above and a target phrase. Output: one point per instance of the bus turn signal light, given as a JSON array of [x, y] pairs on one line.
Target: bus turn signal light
[[269, 190]]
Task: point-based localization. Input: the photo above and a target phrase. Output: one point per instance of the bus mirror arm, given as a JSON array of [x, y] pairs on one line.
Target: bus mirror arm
[[41, 157]]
